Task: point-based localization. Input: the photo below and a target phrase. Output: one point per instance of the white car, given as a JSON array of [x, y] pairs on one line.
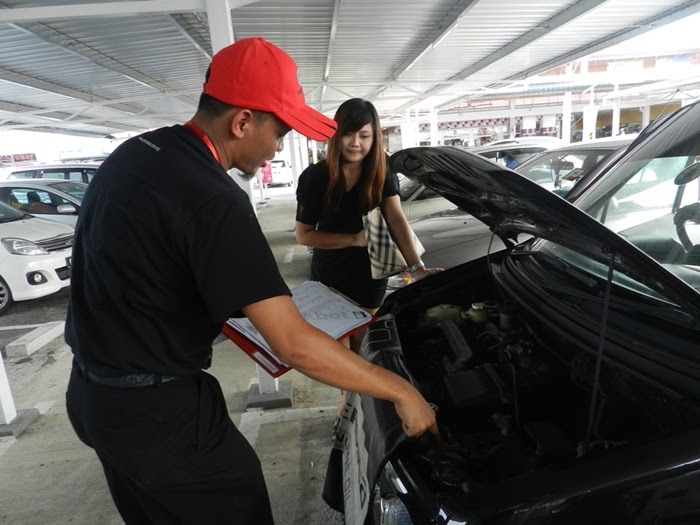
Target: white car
[[75, 172], [35, 256], [54, 199], [282, 174]]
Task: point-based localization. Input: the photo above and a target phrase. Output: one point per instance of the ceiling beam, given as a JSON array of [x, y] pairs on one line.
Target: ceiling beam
[[555, 22], [672, 15], [58, 39], [74, 12], [329, 52], [428, 42]]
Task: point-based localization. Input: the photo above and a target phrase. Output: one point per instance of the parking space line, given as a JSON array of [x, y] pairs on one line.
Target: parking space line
[[21, 326], [289, 256]]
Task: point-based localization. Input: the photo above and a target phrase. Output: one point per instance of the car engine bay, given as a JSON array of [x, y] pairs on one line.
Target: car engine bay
[[513, 391]]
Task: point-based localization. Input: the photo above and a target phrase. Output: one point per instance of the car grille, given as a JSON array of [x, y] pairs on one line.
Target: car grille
[[53, 244], [63, 273]]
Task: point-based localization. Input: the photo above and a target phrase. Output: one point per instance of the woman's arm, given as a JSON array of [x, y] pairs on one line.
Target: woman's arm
[[308, 235], [402, 234]]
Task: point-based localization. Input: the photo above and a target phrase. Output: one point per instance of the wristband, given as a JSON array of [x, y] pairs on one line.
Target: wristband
[[415, 267]]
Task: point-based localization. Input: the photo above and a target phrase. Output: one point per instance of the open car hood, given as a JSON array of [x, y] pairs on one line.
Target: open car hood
[[511, 204]]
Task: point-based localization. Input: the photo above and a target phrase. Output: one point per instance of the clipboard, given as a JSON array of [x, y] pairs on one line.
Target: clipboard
[[326, 309]]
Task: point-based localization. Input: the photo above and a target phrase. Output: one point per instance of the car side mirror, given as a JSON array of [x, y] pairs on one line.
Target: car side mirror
[[66, 209]]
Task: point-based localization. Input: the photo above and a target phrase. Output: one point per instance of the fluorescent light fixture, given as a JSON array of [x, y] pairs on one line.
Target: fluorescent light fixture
[[446, 33]]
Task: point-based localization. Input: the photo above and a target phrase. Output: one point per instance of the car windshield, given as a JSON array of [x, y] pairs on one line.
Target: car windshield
[[652, 199], [76, 189], [10, 214], [560, 169]]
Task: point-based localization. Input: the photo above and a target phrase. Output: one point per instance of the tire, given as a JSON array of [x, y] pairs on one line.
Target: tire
[[5, 297]]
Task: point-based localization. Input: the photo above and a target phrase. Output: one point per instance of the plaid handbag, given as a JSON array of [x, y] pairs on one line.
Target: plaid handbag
[[384, 256]]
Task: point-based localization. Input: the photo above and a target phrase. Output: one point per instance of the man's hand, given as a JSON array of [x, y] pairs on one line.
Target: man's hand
[[416, 414]]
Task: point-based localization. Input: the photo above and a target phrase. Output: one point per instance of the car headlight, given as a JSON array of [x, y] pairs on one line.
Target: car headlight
[[390, 510], [23, 247]]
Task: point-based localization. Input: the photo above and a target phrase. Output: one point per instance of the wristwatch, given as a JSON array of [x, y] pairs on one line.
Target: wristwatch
[[415, 267]]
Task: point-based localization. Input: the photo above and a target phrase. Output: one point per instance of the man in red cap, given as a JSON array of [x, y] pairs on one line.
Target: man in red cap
[[167, 247]]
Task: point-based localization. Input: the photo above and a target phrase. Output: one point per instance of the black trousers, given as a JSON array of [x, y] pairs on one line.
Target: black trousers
[[170, 452]]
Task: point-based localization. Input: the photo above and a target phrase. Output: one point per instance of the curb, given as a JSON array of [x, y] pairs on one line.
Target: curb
[[31, 342]]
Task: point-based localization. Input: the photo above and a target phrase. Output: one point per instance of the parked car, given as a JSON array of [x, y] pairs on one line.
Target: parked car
[[282, 174], [418, 201], [558, 169], [35, 256], [54, 199], [453, 236], [564, 369], [75, 172]]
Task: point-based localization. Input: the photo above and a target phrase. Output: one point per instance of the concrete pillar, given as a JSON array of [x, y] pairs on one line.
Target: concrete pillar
[[615, 131], [646, 116], [566, 117], [409, 132], [590, 117], [529, 125], [293, 138], [221, 31], [7, 405], [314, 151], [434, 133], [512, 121]]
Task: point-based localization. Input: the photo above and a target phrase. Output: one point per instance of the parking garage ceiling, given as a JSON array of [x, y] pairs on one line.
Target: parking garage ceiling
[[102, 68]]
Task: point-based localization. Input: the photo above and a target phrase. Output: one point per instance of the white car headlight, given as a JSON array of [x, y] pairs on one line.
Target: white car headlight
[[22, 246], [391, 511]]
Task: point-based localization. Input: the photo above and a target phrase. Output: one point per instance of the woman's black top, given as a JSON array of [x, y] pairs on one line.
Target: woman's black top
[[346, 269]]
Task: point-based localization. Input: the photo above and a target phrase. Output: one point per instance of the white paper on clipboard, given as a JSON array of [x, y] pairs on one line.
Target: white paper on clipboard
[[323, 307]]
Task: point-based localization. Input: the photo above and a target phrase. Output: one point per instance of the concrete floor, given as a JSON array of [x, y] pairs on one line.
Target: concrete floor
[[48, 477]]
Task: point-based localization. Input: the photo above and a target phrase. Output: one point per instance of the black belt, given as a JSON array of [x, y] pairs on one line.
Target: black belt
[[127, 381]]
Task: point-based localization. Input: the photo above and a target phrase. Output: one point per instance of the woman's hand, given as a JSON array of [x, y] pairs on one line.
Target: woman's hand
[[421, 273], [360, 239]]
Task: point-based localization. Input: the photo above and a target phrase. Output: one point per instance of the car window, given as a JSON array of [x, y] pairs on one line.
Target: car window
[[29, 174], [90, 174], [34, 200], [53, 174], [76, 175], [407, 187], [76, 189], [9, 214], [560, 169], [512, 157]]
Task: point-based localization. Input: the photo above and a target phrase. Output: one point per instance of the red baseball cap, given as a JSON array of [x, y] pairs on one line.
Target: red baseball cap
[[255, 74]]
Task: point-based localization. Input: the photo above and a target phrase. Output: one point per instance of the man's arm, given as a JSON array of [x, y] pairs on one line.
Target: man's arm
[[320, 357]]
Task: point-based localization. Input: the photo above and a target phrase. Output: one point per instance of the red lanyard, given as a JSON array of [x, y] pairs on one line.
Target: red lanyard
[[198, 131]]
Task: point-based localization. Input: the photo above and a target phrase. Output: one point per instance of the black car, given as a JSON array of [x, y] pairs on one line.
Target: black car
[[565, 369]]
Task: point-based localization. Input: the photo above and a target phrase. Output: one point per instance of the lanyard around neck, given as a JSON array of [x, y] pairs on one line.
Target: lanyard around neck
[[198, 131]]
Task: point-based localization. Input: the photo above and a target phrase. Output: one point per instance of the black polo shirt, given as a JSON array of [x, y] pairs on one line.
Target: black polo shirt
[[167, 247]]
